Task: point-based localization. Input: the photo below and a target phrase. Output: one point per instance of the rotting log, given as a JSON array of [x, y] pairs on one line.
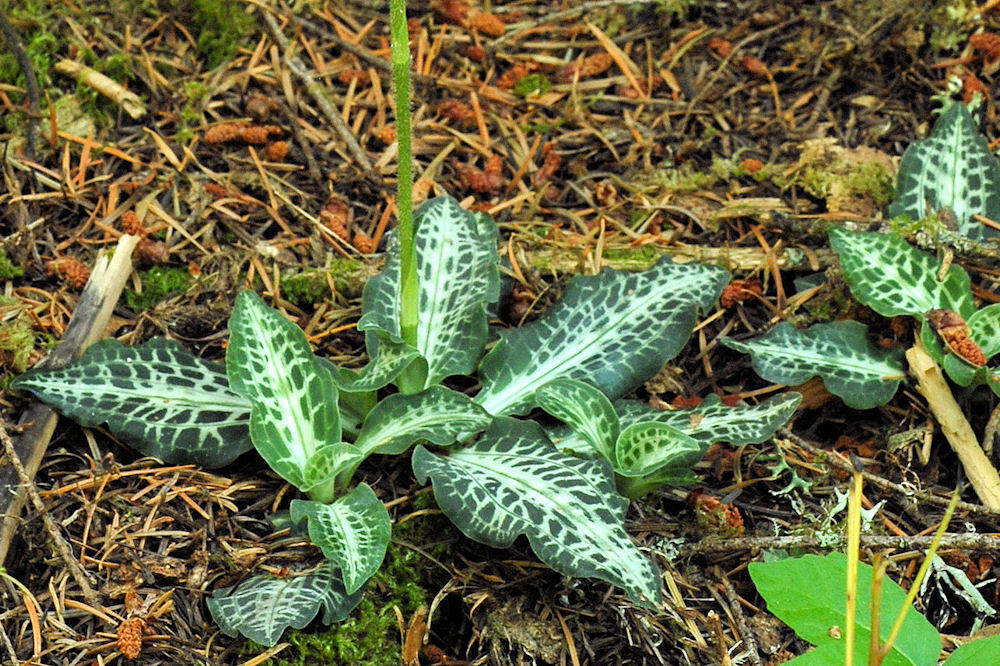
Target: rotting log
[[87, 325]]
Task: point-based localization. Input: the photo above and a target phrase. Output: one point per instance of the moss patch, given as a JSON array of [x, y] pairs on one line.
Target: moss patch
[[158, 283], [305, 289], [223, 26], [9, 270]]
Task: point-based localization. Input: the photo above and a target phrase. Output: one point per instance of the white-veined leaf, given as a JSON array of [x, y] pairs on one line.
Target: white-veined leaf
[[888, 275], [387, 357], [584, 409], [158, 398], [352, 532], [327, 462], [458, 277], [437, 414], [647, 447], [952, 168], [614, 330], [262, 607], [513, 481], [708, 423], [851, 367], [293, 395]]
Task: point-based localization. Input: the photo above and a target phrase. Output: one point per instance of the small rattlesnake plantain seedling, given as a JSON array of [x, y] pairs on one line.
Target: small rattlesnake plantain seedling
[[494, 476], [951, 169]]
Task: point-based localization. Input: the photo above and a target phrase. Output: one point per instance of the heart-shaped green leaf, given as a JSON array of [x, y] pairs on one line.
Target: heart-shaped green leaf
[[976, 652], [647, 447], [613, 330], [293, 396], [952, 168], [352, 532], [158, 398], [888, 275], [513, 481], [438, 415], [851, 367], [584, 409], [262, 607], [809, 594], [458, 277]]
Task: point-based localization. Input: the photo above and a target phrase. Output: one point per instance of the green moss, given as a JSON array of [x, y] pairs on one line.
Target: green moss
[[684, 178], [158, 283], [305, 289], [8, 270], [872, 179], [370, 635], [223, 26], [17, 341]]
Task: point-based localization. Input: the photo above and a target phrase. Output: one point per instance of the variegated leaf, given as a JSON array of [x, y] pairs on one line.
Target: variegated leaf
[[952, 168], [513, 481], [891, 277], [852, 368], [352, 532], [647, 447], [293, 395], [458, 277], [613, 330], [262, 607], [438, 415], [158, 398], [327, 463], [354, 403], [584, 409], [708, 423], [387, 358]]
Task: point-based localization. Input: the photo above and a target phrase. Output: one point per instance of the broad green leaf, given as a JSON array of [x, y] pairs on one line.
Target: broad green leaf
[[387, 357], [809, 595], [583, 408], [976, 653], [294, 396], [458, 277], [644, 448], [513, 481], [952, 168], [158, 398], [262, 607], [327, 462], [613, 330], [438, 415], [852, 368], [352, 532], [708, 423], [888, 275]]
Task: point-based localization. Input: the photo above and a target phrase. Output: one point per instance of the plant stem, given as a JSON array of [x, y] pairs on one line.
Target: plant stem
[[853, 548], [412, 378]]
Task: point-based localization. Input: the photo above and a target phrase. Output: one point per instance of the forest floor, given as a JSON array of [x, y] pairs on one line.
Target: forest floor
[[599, 133]]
